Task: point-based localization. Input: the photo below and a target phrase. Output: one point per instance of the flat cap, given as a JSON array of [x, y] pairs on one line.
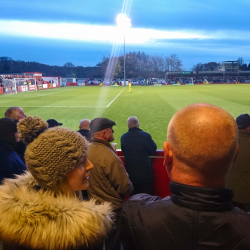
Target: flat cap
[[99, 124], [243, 121]]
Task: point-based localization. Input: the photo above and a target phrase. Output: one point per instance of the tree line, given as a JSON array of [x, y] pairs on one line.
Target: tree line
[[138, 64], [214, 66]]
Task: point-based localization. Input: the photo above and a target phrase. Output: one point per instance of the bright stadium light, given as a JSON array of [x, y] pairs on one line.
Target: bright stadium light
[[123, 22]]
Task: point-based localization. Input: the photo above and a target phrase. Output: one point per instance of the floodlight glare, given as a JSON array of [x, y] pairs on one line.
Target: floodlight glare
[[123, 21]]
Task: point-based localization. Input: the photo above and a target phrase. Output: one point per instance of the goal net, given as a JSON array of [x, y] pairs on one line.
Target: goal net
[[9, 86], [19, 85]]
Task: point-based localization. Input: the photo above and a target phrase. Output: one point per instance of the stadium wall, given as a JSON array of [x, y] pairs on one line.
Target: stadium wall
[[161, 180], [24, 88]]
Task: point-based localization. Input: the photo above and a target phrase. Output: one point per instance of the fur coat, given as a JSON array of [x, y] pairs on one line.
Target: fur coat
[[31, 219]]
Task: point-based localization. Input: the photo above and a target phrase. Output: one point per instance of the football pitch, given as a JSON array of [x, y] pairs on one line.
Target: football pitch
[[153, 106]]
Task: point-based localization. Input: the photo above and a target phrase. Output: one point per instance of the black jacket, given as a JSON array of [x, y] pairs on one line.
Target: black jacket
[[137, 146], [86, 133], [191, 218]]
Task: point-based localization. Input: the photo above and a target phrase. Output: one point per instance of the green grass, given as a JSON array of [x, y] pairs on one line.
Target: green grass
[[154, 106]]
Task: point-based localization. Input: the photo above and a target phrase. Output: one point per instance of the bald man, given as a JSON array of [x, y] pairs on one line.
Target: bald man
[[199, 214], [84, 129]]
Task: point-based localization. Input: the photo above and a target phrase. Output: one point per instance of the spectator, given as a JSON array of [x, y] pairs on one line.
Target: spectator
[[15, 113], [18, 114], [53, 123], [239, 175], [199, 214], [137, 146], [84, 129], [109, 180], [10, 162], [43, 209]]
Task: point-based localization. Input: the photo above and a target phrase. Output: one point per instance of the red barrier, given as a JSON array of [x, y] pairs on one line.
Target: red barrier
[[71, 84], [161, 180], [1, 90], [32, 87]]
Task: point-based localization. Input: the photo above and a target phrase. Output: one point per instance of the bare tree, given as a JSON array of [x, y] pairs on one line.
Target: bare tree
[[210, 66], [157, 63], [240, 61], [198, 67], [69, 65], [173, 63]]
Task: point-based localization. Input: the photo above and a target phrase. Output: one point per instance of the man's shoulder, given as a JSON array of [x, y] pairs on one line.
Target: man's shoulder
[[100, 149], [125, 134], [98, 146], [144, 203], [145, 133], [137, 133], [240, 215]]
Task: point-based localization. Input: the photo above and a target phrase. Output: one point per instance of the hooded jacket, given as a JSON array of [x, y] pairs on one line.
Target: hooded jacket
[[36, 219]]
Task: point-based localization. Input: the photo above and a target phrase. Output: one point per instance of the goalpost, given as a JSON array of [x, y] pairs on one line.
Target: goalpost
[[15, 85], [9, 86]]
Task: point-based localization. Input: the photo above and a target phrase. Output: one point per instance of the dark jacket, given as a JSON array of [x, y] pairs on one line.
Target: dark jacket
[[86, 133], [239, 175], [10, 163], [20, 150], [191, 218], [137, 146]]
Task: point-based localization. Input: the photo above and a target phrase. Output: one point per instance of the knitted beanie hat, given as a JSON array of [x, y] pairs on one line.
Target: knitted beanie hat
[[51, 153]]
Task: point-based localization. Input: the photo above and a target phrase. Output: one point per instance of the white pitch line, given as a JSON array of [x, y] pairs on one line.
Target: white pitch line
[[58, 92], [26, 92], [57, 106], [114, 98]]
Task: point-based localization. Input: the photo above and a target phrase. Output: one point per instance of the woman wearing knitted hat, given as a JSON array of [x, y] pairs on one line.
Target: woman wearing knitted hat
[[43, 209]]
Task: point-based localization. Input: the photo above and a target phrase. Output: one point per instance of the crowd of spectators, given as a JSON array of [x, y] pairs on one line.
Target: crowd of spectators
[[197, 80], [134, 81], [67, 189]]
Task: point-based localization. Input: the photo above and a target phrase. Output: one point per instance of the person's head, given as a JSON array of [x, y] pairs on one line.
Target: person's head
[[84, 124], [15, 113], [243, 121], [53, 123], [202, 145], [133, 122], [8, 133], [101, 128], [56, 157]]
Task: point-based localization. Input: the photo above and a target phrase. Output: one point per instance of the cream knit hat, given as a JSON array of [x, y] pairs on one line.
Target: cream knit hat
[[51, 153]]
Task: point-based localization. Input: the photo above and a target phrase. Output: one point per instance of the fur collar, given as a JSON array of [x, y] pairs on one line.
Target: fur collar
[[38, 220]]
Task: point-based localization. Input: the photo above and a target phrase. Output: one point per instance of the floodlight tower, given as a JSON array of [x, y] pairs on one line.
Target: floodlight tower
[[123, 22]]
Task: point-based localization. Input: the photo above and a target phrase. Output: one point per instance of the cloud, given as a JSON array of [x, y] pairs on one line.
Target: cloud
[[109, 34]]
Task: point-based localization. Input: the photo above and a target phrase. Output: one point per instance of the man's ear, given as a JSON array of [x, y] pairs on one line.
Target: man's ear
[[168, 158], [168, 153]]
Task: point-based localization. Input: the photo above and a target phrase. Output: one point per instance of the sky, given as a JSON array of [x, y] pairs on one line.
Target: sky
[[83, 32]]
